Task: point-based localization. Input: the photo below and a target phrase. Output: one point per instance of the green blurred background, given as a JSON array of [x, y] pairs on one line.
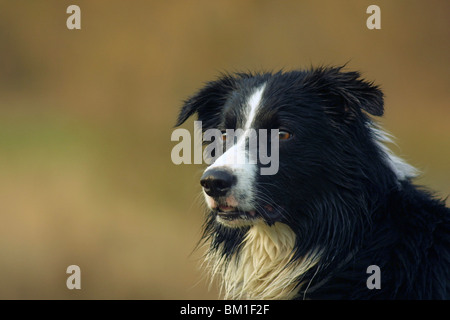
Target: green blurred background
[[86, 116]]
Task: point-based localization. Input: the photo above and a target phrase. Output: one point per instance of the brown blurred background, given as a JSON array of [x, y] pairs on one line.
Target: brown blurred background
[[86, 115]]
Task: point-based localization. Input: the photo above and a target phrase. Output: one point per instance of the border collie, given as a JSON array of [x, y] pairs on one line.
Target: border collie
[[340, 209]]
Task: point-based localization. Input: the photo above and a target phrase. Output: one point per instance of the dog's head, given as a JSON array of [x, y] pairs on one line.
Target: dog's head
[[313, 122], [298, 173]]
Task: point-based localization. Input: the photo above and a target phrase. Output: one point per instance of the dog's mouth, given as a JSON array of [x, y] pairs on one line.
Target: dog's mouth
[[236, 217], [232, 213]]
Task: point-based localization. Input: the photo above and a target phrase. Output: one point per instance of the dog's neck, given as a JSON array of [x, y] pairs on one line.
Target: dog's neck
[[263, 268]]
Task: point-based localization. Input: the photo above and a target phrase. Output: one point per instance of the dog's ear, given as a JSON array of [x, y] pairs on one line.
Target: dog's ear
[[348, 93], [209, 101]]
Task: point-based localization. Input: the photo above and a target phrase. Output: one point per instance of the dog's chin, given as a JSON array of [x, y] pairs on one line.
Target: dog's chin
[[236, 218]]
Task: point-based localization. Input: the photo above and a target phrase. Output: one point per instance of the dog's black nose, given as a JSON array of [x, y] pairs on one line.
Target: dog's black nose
[[216, 182]]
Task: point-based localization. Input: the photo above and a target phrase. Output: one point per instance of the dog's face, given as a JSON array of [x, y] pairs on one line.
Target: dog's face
[[301, 120]]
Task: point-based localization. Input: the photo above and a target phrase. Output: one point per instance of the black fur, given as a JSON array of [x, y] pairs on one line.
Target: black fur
[[333, 188]]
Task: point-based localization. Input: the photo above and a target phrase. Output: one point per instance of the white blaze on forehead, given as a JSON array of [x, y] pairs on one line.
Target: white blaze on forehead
[[253, 104], [234, 158], [235, 155]]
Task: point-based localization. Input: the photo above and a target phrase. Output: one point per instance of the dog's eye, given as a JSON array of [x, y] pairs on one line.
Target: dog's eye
[[284, 135]]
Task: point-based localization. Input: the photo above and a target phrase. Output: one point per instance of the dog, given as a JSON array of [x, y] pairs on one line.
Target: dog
[[340, 219]]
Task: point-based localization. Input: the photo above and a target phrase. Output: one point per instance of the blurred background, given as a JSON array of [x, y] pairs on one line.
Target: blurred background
[[86, 116]]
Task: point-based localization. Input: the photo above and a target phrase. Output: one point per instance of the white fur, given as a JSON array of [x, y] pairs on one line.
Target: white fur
[[253, 104], [399, 166], [263, 269]]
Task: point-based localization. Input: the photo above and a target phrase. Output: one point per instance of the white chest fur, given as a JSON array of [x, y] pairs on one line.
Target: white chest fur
[[263, 268]]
